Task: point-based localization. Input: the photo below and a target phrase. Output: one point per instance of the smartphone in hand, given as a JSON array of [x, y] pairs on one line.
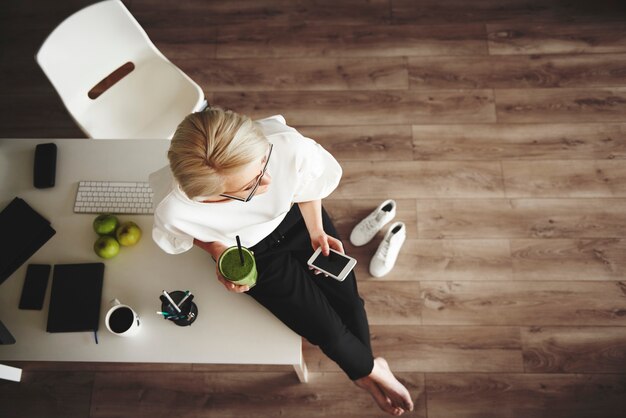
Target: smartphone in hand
[[335, 265]]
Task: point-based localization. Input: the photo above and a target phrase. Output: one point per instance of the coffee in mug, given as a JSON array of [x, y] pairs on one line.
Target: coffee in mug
[[121, 319]]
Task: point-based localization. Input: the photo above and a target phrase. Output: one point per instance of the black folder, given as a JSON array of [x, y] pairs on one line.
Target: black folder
[[24, 231], [5, 336], [76, 297]]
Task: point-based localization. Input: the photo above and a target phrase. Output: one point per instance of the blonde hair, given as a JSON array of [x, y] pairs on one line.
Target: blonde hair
[[212, 144]]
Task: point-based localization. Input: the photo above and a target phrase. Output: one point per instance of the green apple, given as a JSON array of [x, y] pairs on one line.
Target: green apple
[[106, 247], [105, 224], [128, 233]]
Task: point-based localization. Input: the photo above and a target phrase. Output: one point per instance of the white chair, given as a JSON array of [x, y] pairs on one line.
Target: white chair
[[94, 42]]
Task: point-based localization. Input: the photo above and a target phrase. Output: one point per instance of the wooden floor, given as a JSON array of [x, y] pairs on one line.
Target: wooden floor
[[499, 126]]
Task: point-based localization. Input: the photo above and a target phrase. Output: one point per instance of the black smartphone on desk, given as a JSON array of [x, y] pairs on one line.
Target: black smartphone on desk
[[35, 285], [44, 170]]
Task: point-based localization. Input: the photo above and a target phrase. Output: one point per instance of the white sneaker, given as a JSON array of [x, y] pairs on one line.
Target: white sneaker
[[387, 253], [365, 230]]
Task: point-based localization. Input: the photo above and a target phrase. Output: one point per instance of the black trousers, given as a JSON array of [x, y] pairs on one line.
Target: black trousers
[[328, 313]]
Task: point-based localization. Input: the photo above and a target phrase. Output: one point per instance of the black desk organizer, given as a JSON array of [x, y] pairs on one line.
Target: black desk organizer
[[188, 310]]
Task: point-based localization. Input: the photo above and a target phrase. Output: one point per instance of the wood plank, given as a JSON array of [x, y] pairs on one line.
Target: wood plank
[[269, 12], [47, 394], [22, 44], [564, 178], [498, 395], [524, 38], [391, 302], [504, 141], [307, 40], [566, 259], [421, 179], [430, 12], [241, 394], [523, 303], [23, 78], [36, 116], [452, 12], [363, 107], [561, 105], [346, 143], [258, 74], [426, 259], [574, 349], [184, 42], [517, 71], [438, 349], [38, 6], [521, 218], [23, 16], [474, 259]]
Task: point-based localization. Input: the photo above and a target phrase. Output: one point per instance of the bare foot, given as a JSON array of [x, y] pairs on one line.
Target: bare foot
[[384, 403], [390, 386]]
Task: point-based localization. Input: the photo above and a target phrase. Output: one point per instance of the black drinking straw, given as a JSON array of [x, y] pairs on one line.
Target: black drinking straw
[[239, 248]]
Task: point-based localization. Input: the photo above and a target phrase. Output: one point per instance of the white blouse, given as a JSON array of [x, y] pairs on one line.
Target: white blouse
[[301, 171]]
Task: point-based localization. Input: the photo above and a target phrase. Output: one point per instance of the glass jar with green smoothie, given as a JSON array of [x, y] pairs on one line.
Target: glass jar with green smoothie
[[231, 267]]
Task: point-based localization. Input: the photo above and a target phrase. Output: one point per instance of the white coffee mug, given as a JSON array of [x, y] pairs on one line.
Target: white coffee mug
[[122, 320]]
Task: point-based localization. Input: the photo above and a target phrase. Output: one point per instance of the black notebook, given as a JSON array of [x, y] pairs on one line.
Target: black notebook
[[75, 297], [28, 231]]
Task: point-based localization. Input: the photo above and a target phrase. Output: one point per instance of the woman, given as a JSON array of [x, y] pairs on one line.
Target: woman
[[231, 176]]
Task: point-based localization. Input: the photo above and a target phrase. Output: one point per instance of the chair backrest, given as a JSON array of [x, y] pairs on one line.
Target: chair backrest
[[91, 44]]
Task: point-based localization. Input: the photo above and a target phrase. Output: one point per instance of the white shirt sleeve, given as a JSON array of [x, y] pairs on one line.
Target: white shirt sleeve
[[317, 172], [171, 242]]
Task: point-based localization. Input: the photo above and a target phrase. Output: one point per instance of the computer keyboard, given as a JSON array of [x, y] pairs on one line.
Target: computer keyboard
[[113, 197]]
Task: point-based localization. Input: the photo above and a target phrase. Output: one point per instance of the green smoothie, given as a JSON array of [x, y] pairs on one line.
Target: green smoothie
[[231, 268]]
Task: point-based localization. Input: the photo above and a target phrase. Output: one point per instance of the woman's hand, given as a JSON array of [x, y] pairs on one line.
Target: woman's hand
[[322, 239], [312, 214], [230, 286]]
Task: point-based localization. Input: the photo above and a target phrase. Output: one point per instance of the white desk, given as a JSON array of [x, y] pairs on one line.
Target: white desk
[[230, 328]]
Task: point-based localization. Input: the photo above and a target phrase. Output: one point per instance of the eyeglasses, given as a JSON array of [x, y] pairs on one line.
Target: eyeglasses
[[256, 184]]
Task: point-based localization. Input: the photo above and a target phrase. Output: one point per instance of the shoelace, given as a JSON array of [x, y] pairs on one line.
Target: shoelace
[[372, 223], [383, 251]]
